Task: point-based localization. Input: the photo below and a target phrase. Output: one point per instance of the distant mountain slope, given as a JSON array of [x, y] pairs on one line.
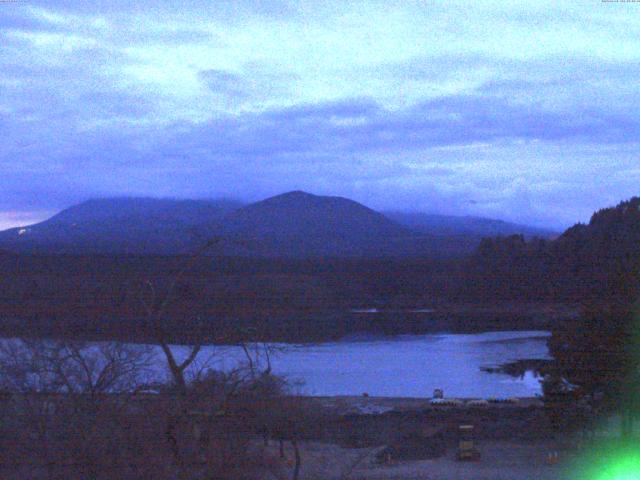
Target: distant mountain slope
[[301, 213], [121, 225], [301, 224], [294, 224], [464, 225]]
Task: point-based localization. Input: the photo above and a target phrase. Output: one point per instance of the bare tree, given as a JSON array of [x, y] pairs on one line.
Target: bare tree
[[224, 399], [155, 304], [69, 409]]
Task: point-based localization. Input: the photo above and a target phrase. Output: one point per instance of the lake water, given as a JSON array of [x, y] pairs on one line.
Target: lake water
[[402, 366]]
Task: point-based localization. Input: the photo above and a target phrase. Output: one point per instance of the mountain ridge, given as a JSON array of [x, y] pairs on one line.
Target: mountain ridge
[[294, 224], [467, 224], [120, 225]]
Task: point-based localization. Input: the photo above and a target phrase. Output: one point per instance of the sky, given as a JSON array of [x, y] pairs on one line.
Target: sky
[[524, 111]]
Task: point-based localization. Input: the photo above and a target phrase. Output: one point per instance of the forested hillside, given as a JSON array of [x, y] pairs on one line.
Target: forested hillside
[[587, 263]]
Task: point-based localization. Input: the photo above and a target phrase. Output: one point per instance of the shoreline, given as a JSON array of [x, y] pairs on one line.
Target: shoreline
[[366, 405], [304, 327]]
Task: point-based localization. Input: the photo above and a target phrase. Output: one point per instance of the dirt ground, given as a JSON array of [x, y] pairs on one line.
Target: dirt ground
[[501, 460], [514, 440]]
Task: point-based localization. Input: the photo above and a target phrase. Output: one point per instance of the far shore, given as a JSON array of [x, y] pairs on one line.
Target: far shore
[[304, 326]]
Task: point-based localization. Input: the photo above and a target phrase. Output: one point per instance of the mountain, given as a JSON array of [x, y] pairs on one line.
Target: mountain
[[299, 213], [122, 225], [301, 224], [295, 224], [464, 225]]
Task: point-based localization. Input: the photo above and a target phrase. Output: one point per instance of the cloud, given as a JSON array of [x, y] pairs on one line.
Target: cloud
[[361, 126], [255, 84], [448, 106]]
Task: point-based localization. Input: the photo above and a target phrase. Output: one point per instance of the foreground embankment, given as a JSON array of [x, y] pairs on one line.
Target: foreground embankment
[[369, 421]]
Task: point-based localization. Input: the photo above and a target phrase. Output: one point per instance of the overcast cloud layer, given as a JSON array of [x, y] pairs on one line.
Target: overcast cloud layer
[[517, 110]]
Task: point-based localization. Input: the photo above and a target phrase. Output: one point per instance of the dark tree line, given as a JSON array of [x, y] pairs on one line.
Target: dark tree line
[[588, 264], [597, 267]]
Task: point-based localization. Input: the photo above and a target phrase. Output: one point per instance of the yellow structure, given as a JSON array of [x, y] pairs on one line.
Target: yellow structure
[[466, 446]]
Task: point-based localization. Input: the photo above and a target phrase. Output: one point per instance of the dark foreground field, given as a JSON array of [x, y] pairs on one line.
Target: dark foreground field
[[515, 441], [347, 438], [501, 460], [229, 300]]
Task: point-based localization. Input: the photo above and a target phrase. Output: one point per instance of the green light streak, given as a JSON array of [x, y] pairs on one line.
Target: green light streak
[[608, 462]]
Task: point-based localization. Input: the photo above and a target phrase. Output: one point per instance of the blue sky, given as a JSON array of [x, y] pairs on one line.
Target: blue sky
[[526, 111]]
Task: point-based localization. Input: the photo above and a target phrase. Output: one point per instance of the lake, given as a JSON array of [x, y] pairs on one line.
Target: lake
[[401, 366]]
